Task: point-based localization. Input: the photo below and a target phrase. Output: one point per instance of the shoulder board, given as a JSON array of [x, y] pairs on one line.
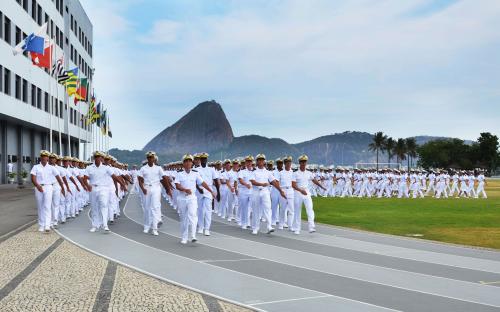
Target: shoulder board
[[179, 170], [194, 170]]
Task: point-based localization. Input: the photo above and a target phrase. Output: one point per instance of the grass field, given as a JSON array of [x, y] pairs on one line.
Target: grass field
[[473, 222]]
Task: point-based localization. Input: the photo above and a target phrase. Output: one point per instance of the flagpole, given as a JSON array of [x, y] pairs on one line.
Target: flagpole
[[51, 98], [78, 117], [66, 96]]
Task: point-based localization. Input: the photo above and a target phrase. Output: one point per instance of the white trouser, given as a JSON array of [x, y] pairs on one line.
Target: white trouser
[[275, 200], [113, 202], [205, 213], [152, 205], [224, 196], [261, 203], [480, 190], [99, 200], [44, 205], [244, 203], [403, 190], [187, 206], [454, 189], [347, 191], [286, 207], [300, 199], [441, 189], [56, 204]]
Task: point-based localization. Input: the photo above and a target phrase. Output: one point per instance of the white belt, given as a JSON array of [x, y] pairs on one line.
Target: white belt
[[152, 184], [47, 184], [286, 187]]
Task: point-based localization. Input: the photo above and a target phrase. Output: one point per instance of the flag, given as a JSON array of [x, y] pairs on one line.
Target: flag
[[35, 42], [109, 134], [66, 75], [81, 91], [57, 68], [104, 124], [71, 85], [97, 115], [44, 59]]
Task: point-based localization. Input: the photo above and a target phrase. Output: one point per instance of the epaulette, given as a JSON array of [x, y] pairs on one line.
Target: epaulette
[[294, 170], [179, 170], [194, 170]]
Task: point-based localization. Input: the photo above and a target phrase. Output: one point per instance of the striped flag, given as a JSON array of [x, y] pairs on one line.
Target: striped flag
[[57, 68], [67, 75]]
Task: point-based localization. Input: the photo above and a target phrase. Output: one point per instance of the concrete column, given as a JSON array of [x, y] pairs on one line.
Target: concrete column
[[19, 153], [3, 133]]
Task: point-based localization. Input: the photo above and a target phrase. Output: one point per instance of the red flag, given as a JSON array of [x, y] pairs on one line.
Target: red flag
[[42, 60]]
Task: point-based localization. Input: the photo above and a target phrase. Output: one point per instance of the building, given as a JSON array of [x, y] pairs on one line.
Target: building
[[27, 91]]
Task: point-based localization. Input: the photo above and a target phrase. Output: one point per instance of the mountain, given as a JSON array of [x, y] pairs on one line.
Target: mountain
[[204, 128]]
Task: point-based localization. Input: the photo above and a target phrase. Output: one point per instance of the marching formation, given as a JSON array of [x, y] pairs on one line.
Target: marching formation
[[258, 194], [65, 185], [388, 183]]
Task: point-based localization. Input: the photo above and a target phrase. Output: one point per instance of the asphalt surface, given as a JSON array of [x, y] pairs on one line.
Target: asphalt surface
[[17, 209], [334, 269]]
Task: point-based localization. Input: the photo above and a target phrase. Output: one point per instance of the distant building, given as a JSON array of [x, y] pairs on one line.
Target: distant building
[[25, 90]]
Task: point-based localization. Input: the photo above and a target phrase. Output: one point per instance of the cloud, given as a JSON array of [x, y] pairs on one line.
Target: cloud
[[332, 65], [163, 32]]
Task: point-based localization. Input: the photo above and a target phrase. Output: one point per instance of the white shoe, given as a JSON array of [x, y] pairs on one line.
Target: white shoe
[[184, 241], [155, 233], [92, 230], [40, 229], [193, 240], [312, 230], [146, 231], [207, 233], [280, 227], [296, 232], [106, 229], [200, 231], [47, 229], [269, 231], [254, 232], [285, 226]]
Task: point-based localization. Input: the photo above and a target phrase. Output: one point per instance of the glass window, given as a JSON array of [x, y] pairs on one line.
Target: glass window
[[60, 109], [33, 95], [19, 35], [6, 81], [1, 78], [39, 15], [18, 87], [33, 10], [6, 29], [46, 100], [25, 91], [1, 25], [38, 98], [25, 5]]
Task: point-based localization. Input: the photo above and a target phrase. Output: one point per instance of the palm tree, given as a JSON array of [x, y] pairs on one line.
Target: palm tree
[[389, 145], [400, 150], [378, 142], [411, 149]]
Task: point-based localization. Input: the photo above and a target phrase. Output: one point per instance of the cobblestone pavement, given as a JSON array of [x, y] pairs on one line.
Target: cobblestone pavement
[[42, 272]]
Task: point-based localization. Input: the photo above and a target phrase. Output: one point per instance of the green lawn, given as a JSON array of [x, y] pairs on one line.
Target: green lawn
[[462, 221]]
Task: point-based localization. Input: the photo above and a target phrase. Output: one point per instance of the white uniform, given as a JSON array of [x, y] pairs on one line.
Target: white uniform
[[188, 204], [245, 197], [285, 178], [46, 178], [303, 178], [480, 186], [208, 174], [275, 200], [152, 176], [261, 199], [99, 196]]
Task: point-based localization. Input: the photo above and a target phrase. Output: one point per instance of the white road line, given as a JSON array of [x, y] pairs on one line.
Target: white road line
[[253, 276], [346, 276], [393, 256], [287, 300]]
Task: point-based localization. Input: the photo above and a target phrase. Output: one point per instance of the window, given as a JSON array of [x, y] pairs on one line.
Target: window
[[1, 78], [71, 115], [6, 29], [38, 98], [55, 111], [1, 24], [60, 109], [33, 10], [25, 91], [33, 95], [25, 5], [6, 81], [19, 35], [46, 100], [18, 87], [71, 18], [39, 15]]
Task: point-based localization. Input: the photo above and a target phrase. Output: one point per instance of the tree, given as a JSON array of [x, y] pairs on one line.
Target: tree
[[400, 150], [388, 147], [378, 142], [488, 150], [411, 149]]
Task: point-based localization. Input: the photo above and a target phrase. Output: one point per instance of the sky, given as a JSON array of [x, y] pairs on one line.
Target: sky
[[298, 69]]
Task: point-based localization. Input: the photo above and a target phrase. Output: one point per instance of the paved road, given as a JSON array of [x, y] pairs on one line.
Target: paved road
[[17, 208], [336, 268]]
